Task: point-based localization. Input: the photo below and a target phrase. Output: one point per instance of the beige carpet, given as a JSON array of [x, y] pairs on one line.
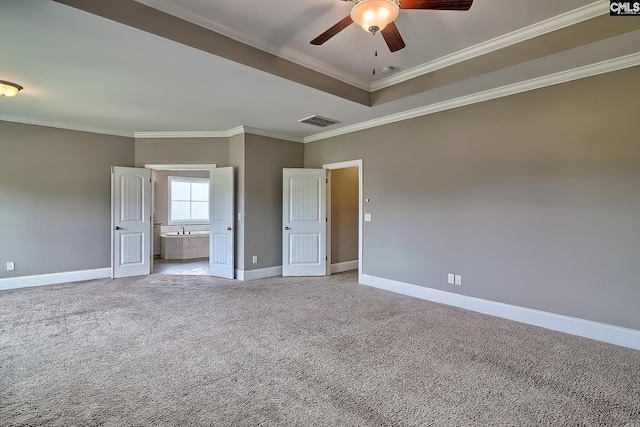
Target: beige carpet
[[186, 350]]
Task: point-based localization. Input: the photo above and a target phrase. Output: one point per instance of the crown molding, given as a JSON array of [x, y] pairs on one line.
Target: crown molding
[[215, 134], [543, 27], [63, 125], [235, 131], [512, 89], [258, 43], [180, 166], [181, 134]]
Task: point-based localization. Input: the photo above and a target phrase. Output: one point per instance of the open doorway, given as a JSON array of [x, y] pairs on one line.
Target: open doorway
[[181, 223], [344, 217], [132, 214]]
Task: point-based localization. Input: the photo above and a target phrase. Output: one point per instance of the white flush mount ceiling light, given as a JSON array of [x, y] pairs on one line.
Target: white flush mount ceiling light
[[375, 15], [9, 89]]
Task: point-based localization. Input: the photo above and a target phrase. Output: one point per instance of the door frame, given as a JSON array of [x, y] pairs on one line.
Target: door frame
[[173, 167], [343, 165]]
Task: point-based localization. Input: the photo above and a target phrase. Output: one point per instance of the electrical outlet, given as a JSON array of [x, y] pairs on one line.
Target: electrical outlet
[[450, 279], [11, 266], [255, 259], [458, 280]]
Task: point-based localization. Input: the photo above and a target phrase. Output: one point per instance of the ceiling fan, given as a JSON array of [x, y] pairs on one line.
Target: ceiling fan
[[378, 16]]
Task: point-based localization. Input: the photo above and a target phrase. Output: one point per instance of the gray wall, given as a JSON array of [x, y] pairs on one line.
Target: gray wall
[[264, 160], [534, 198], [161, 191], [182, 151], [55, 198], [344, 215]]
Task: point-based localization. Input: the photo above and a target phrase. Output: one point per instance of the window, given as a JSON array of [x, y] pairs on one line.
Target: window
[[188, 200]]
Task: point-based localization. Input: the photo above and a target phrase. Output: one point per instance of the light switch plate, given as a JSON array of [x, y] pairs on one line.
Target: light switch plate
[[458, 280], [367, 217]]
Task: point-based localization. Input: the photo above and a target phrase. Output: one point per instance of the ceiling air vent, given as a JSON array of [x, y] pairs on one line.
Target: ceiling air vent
[[318, 121]]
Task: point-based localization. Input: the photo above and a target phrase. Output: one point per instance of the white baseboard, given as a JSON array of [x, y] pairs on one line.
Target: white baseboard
[[54, 278], [261, 273], [585, 328], [344, 266]]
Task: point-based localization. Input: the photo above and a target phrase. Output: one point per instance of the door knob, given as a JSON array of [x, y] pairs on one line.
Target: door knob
[[287, 228], [228, 228], [117, 228]]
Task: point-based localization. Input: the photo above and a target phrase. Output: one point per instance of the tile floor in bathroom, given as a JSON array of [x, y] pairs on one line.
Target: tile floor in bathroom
[[198, 266]]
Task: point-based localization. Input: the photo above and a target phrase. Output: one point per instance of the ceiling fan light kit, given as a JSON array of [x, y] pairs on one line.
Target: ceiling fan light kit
[[9, 89], [375, 15], [378, 16]]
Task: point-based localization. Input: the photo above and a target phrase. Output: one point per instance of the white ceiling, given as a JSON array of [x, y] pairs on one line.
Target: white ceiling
[[81, 71], [285, 28]]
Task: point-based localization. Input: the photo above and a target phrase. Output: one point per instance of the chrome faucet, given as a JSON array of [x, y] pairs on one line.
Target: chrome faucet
[[183, 229]]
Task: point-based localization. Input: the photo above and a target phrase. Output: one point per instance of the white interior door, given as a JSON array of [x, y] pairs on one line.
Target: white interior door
[[131, 221], [221, 230], [304, 234]]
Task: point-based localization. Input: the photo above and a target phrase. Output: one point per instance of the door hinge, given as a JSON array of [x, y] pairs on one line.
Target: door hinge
[[326, 180], [326, 219], [326, 258]]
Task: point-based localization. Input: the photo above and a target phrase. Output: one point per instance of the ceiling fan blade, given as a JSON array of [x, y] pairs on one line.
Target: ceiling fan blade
[[332, 31], [393, 38], [436, 4]]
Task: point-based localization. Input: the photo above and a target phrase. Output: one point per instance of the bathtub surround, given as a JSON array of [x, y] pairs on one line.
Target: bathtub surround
[[185, 234], [193, 244], [176, 245], [164, 229]]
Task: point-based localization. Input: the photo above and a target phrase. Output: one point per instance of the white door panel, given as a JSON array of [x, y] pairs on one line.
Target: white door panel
[[131, 220], [304, 222], [221, 233]]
